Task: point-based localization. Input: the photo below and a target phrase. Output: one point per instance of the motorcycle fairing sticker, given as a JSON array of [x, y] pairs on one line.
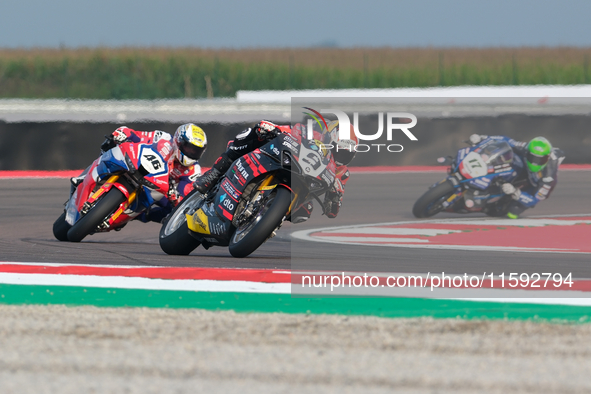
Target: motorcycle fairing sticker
[[461, 154], [258, 166], [240, 172], [504, 170], [291, 144], [480, 183], [311, 161], [473, 166], [225, 205], [230, 189], [198, 222], [110, 162], [270, 150], [226, 202], [216, 227], [152, 161]]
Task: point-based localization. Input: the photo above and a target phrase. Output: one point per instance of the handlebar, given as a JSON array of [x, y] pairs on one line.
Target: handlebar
[[108, 144]]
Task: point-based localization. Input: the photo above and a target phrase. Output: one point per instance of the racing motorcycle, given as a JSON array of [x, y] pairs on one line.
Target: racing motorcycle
[[118, 186], [250, 202], [474, 181]]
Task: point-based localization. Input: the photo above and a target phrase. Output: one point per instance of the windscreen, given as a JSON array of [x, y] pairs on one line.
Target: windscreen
[[497, 153]]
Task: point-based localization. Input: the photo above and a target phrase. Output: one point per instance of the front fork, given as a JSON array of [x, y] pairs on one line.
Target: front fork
[[459, 192], [453, 199], [263, 189], [105, 187], [266, 186]]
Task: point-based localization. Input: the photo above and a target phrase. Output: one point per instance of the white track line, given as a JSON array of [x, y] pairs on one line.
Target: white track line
[[534, 221], [144, 283]]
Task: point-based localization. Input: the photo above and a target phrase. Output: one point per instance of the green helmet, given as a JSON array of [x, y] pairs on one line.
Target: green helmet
[[538, 154]]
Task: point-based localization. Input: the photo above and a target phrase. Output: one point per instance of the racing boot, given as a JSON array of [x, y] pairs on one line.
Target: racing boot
[[75, 181], [515, 209], [302, 213], [206, 181]]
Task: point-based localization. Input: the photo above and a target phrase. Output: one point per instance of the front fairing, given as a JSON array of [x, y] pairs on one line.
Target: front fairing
[[479, 165], [477, 172], [72, 214], [244, 171], [127, 157]]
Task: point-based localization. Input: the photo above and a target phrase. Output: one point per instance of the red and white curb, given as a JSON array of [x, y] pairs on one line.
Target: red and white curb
[[149, 278], [262, 281], [559, 234]]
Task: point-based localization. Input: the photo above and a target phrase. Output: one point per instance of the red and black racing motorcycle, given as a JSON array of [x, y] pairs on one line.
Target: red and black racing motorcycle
[[250, 202]]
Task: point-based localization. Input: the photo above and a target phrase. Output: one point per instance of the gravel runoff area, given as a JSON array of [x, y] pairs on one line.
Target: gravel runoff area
[[61, 349]]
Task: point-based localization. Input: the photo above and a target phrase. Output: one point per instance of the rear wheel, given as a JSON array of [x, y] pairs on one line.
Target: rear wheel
[[97, 214], [61, 227], [174, 235], [431, 202], [251, 234]]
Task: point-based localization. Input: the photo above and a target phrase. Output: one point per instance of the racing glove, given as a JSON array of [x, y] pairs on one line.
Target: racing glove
[[511, 190], [332, 204], [173, 195], [266, 129], [118, 136], [121, 134]]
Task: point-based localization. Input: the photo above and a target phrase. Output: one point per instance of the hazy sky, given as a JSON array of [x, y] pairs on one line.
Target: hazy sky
[[273, 23]]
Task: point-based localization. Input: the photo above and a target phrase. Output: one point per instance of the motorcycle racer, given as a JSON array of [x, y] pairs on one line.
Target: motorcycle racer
[[253, 138], [537, 165], [182, 152]]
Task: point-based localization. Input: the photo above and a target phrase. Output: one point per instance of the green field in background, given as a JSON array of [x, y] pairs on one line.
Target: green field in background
[[152, 73]]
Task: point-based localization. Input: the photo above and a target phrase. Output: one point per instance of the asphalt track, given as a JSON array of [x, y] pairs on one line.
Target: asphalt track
[[28, 208]]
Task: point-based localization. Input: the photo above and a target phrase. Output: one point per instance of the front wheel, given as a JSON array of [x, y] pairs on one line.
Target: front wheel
[[174, 235], [250, 235], [97, 214], [431, 202], [61, 227]]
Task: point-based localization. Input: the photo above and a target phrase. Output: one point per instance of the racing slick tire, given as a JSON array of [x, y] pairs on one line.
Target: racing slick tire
[[96, 215], [174, 236], [61, 227], [247, 238], [429, 203]]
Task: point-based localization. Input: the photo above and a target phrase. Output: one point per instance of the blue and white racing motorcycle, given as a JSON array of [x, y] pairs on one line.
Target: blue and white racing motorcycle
[[474, 181]]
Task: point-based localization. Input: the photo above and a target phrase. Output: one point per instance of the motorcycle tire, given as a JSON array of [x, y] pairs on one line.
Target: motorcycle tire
[[97, 214], [424, 208], [243, 244], [61, 227], [176, 240]]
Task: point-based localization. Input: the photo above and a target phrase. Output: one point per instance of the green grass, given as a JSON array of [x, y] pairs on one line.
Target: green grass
[[179, 73]]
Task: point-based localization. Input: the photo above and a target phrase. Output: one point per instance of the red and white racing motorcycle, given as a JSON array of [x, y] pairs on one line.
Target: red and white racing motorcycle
[[121, 184]]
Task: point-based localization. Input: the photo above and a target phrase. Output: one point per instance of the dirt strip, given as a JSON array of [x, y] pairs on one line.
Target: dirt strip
[[47, 349]]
